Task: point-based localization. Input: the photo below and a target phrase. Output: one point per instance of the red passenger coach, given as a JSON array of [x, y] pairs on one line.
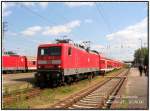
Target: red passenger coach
[[109, 64], [13, 63], [103, 65], [31, 63]]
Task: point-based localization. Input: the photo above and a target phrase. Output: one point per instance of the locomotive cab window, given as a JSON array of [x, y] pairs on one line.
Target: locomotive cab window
[[69, 51], [33, 62], [51, 51], [42, 51]]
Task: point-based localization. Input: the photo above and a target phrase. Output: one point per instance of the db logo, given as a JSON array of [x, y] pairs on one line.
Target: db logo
[[88, 59], [21, 59]]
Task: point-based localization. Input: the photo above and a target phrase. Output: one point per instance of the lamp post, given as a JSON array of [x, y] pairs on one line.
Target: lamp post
[[141, 42], [141, 58]]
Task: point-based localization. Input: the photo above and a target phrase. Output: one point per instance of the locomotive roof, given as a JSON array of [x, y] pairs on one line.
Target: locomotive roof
[[81, 47]]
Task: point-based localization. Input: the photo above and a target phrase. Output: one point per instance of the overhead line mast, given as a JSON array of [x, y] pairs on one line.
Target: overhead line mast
[[4, 29]]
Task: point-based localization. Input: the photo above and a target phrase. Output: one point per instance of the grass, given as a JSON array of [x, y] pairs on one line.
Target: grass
[[15, 88], [50, 96], [18, 87]]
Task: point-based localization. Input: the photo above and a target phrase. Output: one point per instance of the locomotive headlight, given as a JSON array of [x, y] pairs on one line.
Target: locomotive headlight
[[59, 66], [56, 61]]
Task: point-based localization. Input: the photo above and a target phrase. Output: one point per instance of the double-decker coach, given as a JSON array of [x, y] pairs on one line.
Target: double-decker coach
[[13, 63], [17, 63]]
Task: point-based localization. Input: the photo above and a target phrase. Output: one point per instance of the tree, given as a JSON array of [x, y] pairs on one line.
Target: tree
[[146, 59], [141, 56], [10, 53]]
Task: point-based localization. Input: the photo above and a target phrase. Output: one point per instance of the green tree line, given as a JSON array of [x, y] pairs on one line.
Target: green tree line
[[141, 56], [10, 53]]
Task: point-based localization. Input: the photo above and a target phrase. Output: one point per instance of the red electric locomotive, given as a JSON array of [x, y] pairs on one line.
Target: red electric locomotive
[[64, 62]]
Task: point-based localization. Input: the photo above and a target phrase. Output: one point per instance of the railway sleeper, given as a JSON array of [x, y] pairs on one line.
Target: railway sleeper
[[91, 102], [95, 100], [75, 106], [95, 96], [87, 104]]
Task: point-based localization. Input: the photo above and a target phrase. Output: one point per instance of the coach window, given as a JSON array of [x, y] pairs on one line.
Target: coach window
[[69, 51], [33, 62]]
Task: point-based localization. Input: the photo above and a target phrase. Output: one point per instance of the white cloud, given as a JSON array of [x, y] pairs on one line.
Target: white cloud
[[5, 8], [125, 41], [43, 4], [27, 3], [12, 33], [53, 30], [31, 31], [88, 20], [7, 5], [66, 28], [77, 4], [131, 32], [73, 24], [7, 13], [98, 47]]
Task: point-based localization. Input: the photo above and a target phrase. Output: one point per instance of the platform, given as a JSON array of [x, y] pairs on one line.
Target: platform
[[134, 92]]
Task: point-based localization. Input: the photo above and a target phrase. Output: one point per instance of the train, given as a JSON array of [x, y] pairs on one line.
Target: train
[[18, 63], [61, 62], [64, 62]]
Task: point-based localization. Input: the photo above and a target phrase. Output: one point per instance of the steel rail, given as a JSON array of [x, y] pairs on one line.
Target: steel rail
[[72, 101]]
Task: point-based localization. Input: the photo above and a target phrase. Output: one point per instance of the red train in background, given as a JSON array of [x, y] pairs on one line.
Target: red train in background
[[65, 62], [61, 62], [107, 64], [14, 63]]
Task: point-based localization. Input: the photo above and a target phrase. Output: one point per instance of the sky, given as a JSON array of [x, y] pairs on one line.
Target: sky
[[115, 29]]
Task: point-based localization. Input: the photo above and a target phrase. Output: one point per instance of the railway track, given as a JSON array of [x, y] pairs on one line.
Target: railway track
[[99, 96], [8, 99]]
